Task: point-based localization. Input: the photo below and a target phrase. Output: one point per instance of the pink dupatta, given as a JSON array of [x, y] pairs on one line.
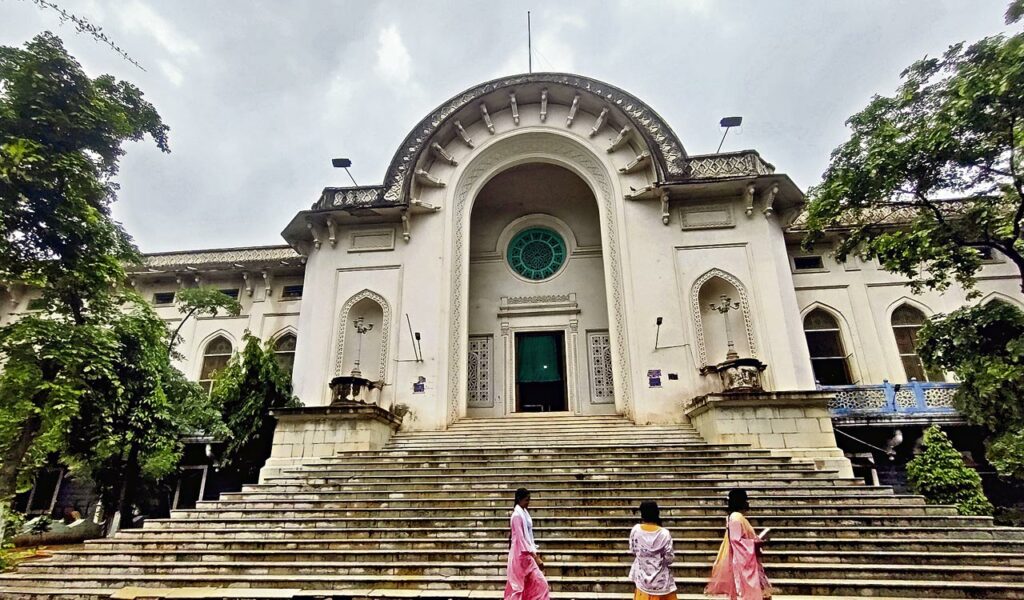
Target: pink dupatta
[[737, 572], [525, 579]]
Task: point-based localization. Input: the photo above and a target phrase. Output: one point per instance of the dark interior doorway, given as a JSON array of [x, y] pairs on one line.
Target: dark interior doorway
[[540, 372]]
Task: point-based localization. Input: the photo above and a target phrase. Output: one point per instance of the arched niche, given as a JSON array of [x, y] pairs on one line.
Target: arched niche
[[373, 356], [710, 324]]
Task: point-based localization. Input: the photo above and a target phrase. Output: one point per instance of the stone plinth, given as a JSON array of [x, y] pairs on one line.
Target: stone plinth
[[305, 434], [795, 424]]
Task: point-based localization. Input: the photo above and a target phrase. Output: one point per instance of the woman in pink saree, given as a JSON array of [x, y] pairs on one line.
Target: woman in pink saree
[[525, 576], [737, 572]]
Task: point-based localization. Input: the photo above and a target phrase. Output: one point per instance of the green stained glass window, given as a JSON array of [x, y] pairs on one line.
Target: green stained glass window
[[536, 253]]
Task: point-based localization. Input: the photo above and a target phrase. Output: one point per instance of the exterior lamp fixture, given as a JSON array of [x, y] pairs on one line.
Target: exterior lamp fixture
[[728, 123], [724, 306], [344, 163], [361, 330]]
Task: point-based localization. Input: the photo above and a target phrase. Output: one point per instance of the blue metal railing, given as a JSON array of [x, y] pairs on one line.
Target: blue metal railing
[[892, 398]]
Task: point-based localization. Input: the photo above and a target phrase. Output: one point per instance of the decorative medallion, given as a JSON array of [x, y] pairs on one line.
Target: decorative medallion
[[536, 253]]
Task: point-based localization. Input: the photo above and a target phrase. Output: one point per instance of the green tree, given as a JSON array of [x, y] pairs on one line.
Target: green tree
[[941, 476], [984, 346], [129, 430], [246, 390], [61, 137], [201, 302], [934, 173]]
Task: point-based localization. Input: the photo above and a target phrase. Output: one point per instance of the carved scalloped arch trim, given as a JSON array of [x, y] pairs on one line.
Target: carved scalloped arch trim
[[572, 154], [670, 157], [698, 322], [385, 336]]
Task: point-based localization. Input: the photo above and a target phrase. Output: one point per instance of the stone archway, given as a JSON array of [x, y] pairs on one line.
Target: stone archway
[[534, 145]]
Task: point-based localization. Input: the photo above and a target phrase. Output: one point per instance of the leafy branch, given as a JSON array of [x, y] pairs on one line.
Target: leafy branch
[[84, 26]]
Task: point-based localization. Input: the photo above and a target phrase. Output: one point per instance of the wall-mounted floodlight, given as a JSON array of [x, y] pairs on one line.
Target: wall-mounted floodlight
[[728, 123], [344, 163], [657, 332]]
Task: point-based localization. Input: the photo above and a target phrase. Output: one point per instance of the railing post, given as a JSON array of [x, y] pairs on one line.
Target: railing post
[[890, 396]]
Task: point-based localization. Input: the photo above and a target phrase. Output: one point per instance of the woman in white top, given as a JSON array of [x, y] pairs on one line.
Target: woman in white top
[[651, 544]]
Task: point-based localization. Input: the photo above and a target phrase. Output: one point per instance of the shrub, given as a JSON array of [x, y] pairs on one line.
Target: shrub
[[941, 476]]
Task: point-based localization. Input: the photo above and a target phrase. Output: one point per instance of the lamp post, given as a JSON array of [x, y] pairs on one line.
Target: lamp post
[[361, 330], [724, 306]]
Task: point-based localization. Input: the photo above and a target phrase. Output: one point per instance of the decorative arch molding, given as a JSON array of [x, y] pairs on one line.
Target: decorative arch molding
[[1001, 297], [669, 156], [698, 321], [287, 329], [521, 147], [385, 331], [921, 306]]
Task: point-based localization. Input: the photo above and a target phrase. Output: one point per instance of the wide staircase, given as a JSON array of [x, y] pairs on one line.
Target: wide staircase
[[427, 517]]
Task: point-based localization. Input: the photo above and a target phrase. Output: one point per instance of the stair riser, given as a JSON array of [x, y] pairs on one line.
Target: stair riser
[[402, 472], [307, 501], [584, 454], [505, 491], [629, 512], [478, 467], [497, 569], [561, 481], [618, 584]]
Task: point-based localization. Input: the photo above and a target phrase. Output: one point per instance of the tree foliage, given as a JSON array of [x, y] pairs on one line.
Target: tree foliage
[[201, 302], [942, 158], [61, 137], [941, 476], [984, 346], [246, 390], [130, 427]]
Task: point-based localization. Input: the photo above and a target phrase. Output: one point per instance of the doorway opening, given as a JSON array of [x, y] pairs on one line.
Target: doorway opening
[[540, 372]]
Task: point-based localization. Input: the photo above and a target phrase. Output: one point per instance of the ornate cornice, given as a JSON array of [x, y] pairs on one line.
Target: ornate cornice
[[226, 257], [744, 163], [670, 157]]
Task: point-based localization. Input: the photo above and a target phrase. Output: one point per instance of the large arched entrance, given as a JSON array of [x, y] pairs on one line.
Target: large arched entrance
[[538, 338]]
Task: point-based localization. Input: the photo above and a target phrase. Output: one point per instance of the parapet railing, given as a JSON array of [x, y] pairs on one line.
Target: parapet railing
[[892, 398]]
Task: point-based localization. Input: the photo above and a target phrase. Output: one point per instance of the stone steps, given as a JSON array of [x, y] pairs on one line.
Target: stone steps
[[470, 568], [427, 517], [498, 555], [586, 584]]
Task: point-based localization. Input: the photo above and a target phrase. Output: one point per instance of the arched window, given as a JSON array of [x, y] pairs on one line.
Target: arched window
[[906, 321], [216, 357], [284, 352], [828, 357]]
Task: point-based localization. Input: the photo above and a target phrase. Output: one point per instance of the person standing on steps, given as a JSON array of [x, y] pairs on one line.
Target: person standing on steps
[[651, 544], [525, 568], [737, 571]]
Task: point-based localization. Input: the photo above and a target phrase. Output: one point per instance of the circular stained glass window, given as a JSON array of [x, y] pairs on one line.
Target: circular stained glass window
[[536, 253]]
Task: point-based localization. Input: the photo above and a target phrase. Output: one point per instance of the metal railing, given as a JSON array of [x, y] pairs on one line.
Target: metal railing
[[892, 398]]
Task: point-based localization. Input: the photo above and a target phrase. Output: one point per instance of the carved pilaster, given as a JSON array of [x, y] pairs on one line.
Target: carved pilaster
[[406, 226], [508, 374], [622, 139], [443, 154], [486, 117], [463, 135], [247, 279], [572, 110], [769, 199], [315, 232], [514, 106], [599, 122], [637, 163], [748, 200], [426, 179], [266, 284], [543, 105], [665, 214], [331, 232]]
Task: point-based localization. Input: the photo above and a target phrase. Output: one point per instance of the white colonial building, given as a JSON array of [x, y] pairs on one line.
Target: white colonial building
[[546, 242]]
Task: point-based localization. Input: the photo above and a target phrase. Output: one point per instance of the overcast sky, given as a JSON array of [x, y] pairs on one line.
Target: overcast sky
[[260, 96]]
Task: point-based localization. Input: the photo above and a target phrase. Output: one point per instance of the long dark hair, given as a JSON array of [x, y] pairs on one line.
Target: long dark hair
[[521, 494], [649, 512], [738, 501]]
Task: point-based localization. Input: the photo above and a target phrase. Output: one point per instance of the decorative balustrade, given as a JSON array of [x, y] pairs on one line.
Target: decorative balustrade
[[892, 398]]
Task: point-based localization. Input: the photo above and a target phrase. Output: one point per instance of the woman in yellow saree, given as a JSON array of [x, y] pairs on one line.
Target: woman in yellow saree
[[738, 572]]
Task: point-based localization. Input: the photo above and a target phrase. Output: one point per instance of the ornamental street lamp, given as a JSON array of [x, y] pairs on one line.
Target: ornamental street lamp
[[724, 306], [361, 330]]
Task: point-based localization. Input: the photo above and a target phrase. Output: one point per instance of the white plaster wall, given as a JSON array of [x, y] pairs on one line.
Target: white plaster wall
[[862, 296], [556, 198]]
